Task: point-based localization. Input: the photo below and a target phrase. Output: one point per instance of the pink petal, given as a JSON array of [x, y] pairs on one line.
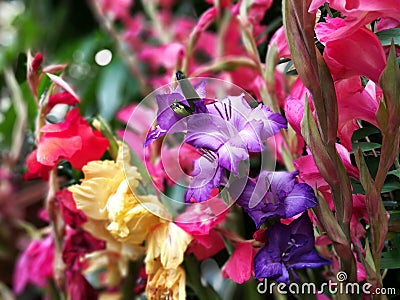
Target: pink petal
[[239, 267], [360, 53], [61, 83]]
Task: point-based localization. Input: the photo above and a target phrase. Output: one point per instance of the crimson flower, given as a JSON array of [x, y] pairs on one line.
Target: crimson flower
[[73, 140]]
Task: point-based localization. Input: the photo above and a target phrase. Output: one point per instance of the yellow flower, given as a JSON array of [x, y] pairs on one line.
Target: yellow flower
[[115, 211], [168, 242], [118, 214], [166, 245], [166, 284]]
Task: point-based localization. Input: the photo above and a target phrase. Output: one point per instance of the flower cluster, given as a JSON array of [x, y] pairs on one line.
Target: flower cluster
[[183, 201], [225, 132]]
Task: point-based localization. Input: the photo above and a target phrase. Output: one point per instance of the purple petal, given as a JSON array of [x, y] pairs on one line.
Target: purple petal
[[270, 270], [250, 134], [232, 153], [200, 88], [233, 109], [253, 199], [275, 194], [208, 131], [301, 198], [304, 254], [153, 135], [272, 122], [282, 183], [289, 247], [166, 117], [309, 260], [206, 176]]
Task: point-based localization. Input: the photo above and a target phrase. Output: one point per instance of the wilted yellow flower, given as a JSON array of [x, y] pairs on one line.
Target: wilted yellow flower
[[166, 245], [168, 242], [116, 213], [166, 284]]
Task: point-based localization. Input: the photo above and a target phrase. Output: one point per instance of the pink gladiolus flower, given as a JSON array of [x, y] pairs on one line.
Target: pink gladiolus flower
[[279, 39], [294, 105], [355, 54], [136, 135], [309, 172], [326, 30], [387, 23], [205, 20], [165, 58], [199, 221], [200, 218], [345, 132], [256, 14], [116, 9], [35, 264], [294, 111], [240, 266], [206, 246], [360, 12], [355, 103]]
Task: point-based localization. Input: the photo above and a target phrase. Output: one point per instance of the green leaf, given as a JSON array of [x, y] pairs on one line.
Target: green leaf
[[390, 84], [390, 186], [377, 214], [229, 246], [6, 127], [365, 146], [44, 85], [390, 260], [110, 92], [364, 132], [395, 173], [357, 187], [386, 36]]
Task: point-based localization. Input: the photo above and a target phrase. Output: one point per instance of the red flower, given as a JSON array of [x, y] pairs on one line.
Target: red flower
[[73, 140], [71, 215], [77, 244], [35, 168], [79, 288], [62, 97], [37, 62]]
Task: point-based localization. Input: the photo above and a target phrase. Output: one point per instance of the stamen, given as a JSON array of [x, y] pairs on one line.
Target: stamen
[[230, 108], [219, 111], [226, 113]]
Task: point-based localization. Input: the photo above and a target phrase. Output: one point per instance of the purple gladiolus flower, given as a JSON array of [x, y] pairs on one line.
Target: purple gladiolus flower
[[274, 194], [169, 120], [207, 174], [228, 133], [289, 247]]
